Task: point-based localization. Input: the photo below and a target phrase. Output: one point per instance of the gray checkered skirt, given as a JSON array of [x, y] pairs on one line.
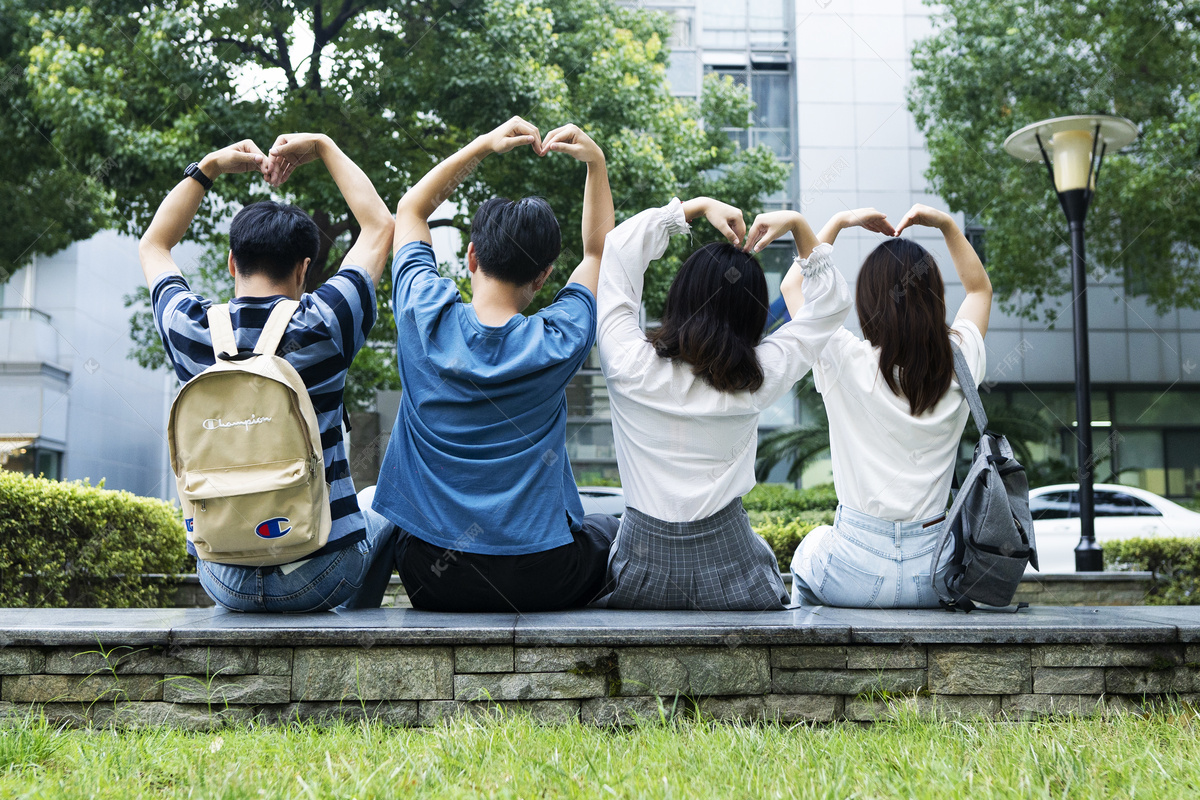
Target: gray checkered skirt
[[714, 564]]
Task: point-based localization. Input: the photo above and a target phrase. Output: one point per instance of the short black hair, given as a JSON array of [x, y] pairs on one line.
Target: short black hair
[[271, 238], [515, 240]]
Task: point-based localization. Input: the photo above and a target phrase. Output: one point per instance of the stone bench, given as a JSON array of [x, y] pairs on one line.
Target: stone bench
[[203, 667]]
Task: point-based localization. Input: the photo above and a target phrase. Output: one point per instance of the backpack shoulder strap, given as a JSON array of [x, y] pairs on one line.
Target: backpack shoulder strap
[[272, 332], [967, 383], [220, 327]]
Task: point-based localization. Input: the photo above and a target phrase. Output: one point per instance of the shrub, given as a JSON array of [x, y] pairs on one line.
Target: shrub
[[783, 499], [1175, 563], [784, 532], [71, 544]]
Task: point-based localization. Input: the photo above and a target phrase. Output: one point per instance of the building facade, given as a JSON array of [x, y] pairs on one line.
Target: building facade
[[72, 404]]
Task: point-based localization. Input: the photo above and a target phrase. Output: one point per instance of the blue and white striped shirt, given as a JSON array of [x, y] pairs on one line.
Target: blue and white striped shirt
[[324, 335]]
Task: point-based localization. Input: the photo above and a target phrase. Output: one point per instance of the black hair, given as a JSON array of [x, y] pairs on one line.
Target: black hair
[[901, 304], [271, 238], [515, 240], [714, 317]]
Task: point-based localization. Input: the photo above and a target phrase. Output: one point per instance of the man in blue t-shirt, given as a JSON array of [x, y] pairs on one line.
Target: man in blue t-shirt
[[475, 489], [271, 247]]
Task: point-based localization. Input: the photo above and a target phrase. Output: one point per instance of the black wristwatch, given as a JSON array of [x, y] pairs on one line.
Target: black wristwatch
[[193, 171]]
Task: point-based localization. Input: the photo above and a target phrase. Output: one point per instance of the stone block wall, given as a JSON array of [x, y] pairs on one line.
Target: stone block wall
[[199, 687]]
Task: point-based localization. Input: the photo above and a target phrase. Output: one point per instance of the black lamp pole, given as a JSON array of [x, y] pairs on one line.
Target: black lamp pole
[[1088, 554]]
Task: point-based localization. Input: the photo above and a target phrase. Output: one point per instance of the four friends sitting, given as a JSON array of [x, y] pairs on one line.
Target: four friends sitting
[[476, 506]]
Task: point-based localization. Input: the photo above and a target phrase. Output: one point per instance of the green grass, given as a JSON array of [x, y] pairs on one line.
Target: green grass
[[1157, 756]]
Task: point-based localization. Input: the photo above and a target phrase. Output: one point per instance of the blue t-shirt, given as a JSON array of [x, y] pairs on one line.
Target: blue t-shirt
[[321, 340], [477, 460]]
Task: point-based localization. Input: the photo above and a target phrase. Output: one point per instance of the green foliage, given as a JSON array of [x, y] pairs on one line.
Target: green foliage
[[71, 544], [105, 104], [784, 499], [993, 66], [783, 515], [784, 531], [1175, 562]]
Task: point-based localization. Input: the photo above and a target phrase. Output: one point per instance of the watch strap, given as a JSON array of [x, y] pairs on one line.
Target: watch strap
[[193, 171]]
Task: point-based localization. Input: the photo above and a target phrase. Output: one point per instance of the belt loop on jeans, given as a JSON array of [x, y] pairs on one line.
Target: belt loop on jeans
[[896, 526]]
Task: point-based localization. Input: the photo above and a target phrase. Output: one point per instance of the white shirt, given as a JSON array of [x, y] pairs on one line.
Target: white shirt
[[886, 462], [684, 449]]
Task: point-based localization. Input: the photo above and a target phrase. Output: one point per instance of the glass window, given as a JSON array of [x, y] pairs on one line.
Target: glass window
[[1120, 504], [1174, 407], [769, 91], [681, 29], [1140, 460], [1183, 463], [35, 461], [1054, 505], [683, 72]]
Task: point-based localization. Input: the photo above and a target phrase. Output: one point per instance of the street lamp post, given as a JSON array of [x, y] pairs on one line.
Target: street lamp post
[[1072, 148]]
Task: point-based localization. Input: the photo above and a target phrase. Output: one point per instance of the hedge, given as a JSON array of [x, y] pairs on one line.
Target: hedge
[[783, 499], [1174, 561], [74, 545]]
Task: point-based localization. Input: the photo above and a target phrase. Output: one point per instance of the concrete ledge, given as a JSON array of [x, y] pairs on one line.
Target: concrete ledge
[[205, 667]]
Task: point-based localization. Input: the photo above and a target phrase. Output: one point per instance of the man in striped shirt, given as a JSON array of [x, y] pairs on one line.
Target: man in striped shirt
[[271, 247]]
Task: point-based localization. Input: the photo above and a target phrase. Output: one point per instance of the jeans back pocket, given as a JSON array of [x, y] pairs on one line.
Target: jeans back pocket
[[847, 585]]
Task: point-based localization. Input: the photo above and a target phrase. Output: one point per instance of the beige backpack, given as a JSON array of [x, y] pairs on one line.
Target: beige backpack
[[246, 452]]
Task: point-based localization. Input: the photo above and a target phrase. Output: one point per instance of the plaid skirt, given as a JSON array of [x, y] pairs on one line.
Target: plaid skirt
[[714, 564]]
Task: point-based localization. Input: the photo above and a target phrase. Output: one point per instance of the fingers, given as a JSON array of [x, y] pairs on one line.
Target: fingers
[[739, 228], [757, 231], [909, 219], [723, 226]]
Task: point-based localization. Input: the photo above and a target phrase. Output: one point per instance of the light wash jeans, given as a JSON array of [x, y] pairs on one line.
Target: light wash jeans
[[318, 584], [866, 562]]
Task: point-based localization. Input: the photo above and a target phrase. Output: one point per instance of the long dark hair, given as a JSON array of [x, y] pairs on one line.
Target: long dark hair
[[714, 317], [901, 304]]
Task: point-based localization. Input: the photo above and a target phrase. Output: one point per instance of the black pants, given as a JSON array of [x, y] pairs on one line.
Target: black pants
[[569, 576]]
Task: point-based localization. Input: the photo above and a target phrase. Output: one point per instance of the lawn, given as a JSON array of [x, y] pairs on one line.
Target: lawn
[[1157, 756]]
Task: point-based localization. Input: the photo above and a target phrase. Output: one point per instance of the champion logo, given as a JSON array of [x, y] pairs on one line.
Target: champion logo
[[214, 424], [188, 522], [273, 528]]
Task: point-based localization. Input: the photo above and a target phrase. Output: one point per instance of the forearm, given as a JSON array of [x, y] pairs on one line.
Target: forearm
[[440, 182], [792, 285], [359, 193], [836, 224], [970, 269], [175, 214], [598, 213]]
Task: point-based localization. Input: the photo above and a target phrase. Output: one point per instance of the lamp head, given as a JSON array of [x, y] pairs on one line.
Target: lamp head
[[1072, 144]]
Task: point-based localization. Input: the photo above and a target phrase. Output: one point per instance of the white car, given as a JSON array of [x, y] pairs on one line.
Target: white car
[[1122, 512], [602, 500]]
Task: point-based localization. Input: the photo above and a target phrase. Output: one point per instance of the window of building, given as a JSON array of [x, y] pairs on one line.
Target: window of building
[[33, 460]]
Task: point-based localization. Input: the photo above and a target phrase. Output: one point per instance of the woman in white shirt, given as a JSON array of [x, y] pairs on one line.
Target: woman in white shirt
[[896, 414], [685, 402]]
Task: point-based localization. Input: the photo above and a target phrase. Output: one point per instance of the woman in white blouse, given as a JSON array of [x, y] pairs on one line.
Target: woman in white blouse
[[686, 399], [896, 414]]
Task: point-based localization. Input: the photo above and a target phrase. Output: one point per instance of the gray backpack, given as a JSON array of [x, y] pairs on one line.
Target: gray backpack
[[988, 525]]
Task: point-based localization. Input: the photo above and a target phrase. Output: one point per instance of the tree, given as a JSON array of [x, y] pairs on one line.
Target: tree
[[398, 86], [993, 66]]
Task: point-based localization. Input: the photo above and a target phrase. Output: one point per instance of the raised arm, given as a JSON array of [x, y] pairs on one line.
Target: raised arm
[[174, 216], [977, 306], [770, 226], [420, 201], [867, 218], [598, 214], [370, 249]]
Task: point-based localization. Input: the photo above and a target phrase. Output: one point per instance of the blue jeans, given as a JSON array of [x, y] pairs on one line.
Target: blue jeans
[[866, 562], [318, 584]]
